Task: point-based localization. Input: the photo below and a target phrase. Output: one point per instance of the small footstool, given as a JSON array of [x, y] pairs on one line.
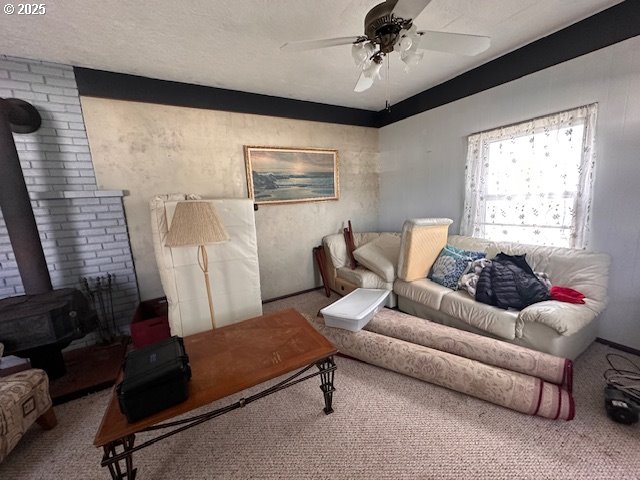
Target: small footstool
[[24, 399]]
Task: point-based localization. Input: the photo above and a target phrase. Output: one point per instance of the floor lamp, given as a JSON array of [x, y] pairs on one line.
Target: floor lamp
[[197, 223]]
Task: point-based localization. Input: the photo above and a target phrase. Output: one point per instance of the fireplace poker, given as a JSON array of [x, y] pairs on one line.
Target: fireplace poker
[[110, 294]]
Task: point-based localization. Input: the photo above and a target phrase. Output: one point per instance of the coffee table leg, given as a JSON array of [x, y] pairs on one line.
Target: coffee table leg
[[115, 468], [327, 370]]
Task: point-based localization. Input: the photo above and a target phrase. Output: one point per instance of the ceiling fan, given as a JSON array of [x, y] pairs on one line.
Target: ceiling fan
[[389, 27]]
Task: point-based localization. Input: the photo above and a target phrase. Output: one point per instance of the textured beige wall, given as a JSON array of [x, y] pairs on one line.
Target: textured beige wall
[[149, 149]]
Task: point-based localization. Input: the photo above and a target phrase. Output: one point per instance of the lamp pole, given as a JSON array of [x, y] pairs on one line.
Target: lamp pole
[[203, 261]]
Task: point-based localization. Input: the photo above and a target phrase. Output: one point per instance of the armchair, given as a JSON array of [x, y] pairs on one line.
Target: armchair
[[24, 400]]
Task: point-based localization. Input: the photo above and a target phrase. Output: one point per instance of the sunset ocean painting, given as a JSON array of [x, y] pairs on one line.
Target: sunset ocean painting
[[280, 175]]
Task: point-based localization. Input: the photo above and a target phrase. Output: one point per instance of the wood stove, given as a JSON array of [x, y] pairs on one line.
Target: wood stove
[[43, 321], [40, 326]]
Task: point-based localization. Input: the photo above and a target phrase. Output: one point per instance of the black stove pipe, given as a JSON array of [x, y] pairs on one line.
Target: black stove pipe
[[20, 117]]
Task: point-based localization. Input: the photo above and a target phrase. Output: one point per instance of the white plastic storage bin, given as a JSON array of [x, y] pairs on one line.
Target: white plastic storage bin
[[353, 311]]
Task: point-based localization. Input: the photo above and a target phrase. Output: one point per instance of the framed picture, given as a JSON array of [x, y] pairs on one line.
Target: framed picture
[[289, 175]]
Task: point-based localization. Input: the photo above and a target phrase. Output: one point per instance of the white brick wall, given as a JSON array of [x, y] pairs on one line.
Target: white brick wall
[[83, 230], [57, 156]]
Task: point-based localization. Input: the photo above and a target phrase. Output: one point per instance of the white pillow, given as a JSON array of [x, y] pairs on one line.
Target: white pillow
[[380, 255]]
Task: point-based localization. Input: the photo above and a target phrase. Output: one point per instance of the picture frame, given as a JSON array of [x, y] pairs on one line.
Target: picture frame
[[291, 175]]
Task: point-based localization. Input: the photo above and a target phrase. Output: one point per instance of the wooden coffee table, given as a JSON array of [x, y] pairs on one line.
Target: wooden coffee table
[[223, 362]]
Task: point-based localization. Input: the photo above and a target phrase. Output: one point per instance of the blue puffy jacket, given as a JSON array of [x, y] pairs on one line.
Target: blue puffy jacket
[[509, 282]]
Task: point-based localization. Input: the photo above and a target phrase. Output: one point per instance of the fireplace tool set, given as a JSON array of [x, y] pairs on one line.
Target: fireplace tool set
[[99, 291]]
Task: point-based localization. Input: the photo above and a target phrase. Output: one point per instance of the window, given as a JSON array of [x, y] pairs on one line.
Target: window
[[531, 182]]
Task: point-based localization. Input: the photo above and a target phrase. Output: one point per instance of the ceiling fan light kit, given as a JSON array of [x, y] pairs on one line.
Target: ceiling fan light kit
[[389, 27]]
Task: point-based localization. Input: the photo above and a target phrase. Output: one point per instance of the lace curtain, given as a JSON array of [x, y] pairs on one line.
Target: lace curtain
[[532, 182]]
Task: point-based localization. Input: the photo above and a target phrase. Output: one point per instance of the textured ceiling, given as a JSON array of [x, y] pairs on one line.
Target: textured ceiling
[[235, 43]]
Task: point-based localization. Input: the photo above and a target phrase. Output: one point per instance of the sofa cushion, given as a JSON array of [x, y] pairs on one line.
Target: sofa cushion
[[473, 255], [422, 291], [422, 240], [363, 278], [496, 321], [380, 255], [584, 271], [474, 244], [564, 318], [337, 249]]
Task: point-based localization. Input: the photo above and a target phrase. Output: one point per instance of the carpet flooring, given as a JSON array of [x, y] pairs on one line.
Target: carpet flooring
[[385, 426]]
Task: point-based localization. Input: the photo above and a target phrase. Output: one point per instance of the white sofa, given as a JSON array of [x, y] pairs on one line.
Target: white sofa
[[558, 328]]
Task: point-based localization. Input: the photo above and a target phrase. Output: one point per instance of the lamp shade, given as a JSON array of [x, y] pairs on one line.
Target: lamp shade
[[195, 223]]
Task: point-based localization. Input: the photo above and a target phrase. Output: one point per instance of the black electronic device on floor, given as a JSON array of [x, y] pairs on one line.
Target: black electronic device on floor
[[622, 393], [155, 377], [621, 407]]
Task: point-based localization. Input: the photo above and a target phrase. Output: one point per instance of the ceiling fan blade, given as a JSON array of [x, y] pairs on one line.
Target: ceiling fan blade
[[313, 44], [459, 43], [408, 9], [364, 83]]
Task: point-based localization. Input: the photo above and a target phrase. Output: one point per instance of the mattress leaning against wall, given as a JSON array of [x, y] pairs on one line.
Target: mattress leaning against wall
[[233, 267]]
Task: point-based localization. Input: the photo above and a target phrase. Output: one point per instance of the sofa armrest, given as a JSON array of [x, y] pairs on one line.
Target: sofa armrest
[[564, 318]]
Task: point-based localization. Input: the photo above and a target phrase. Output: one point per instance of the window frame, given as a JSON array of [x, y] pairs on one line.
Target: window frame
[[474, 218]]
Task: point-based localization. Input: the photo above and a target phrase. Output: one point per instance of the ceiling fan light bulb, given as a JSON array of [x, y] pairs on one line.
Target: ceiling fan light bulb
[[411, 59], [415, 42], [406, 43], [358, 53], [369, 48], [373, 70]]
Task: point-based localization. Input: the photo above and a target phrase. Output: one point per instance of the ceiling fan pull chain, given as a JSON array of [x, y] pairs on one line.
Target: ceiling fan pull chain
[[387, 105]]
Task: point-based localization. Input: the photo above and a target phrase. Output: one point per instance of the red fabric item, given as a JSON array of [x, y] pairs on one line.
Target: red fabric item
[[566, 294]]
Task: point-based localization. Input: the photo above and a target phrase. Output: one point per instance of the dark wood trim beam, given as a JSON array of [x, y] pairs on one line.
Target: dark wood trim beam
[[613, 25], [120, 86]]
